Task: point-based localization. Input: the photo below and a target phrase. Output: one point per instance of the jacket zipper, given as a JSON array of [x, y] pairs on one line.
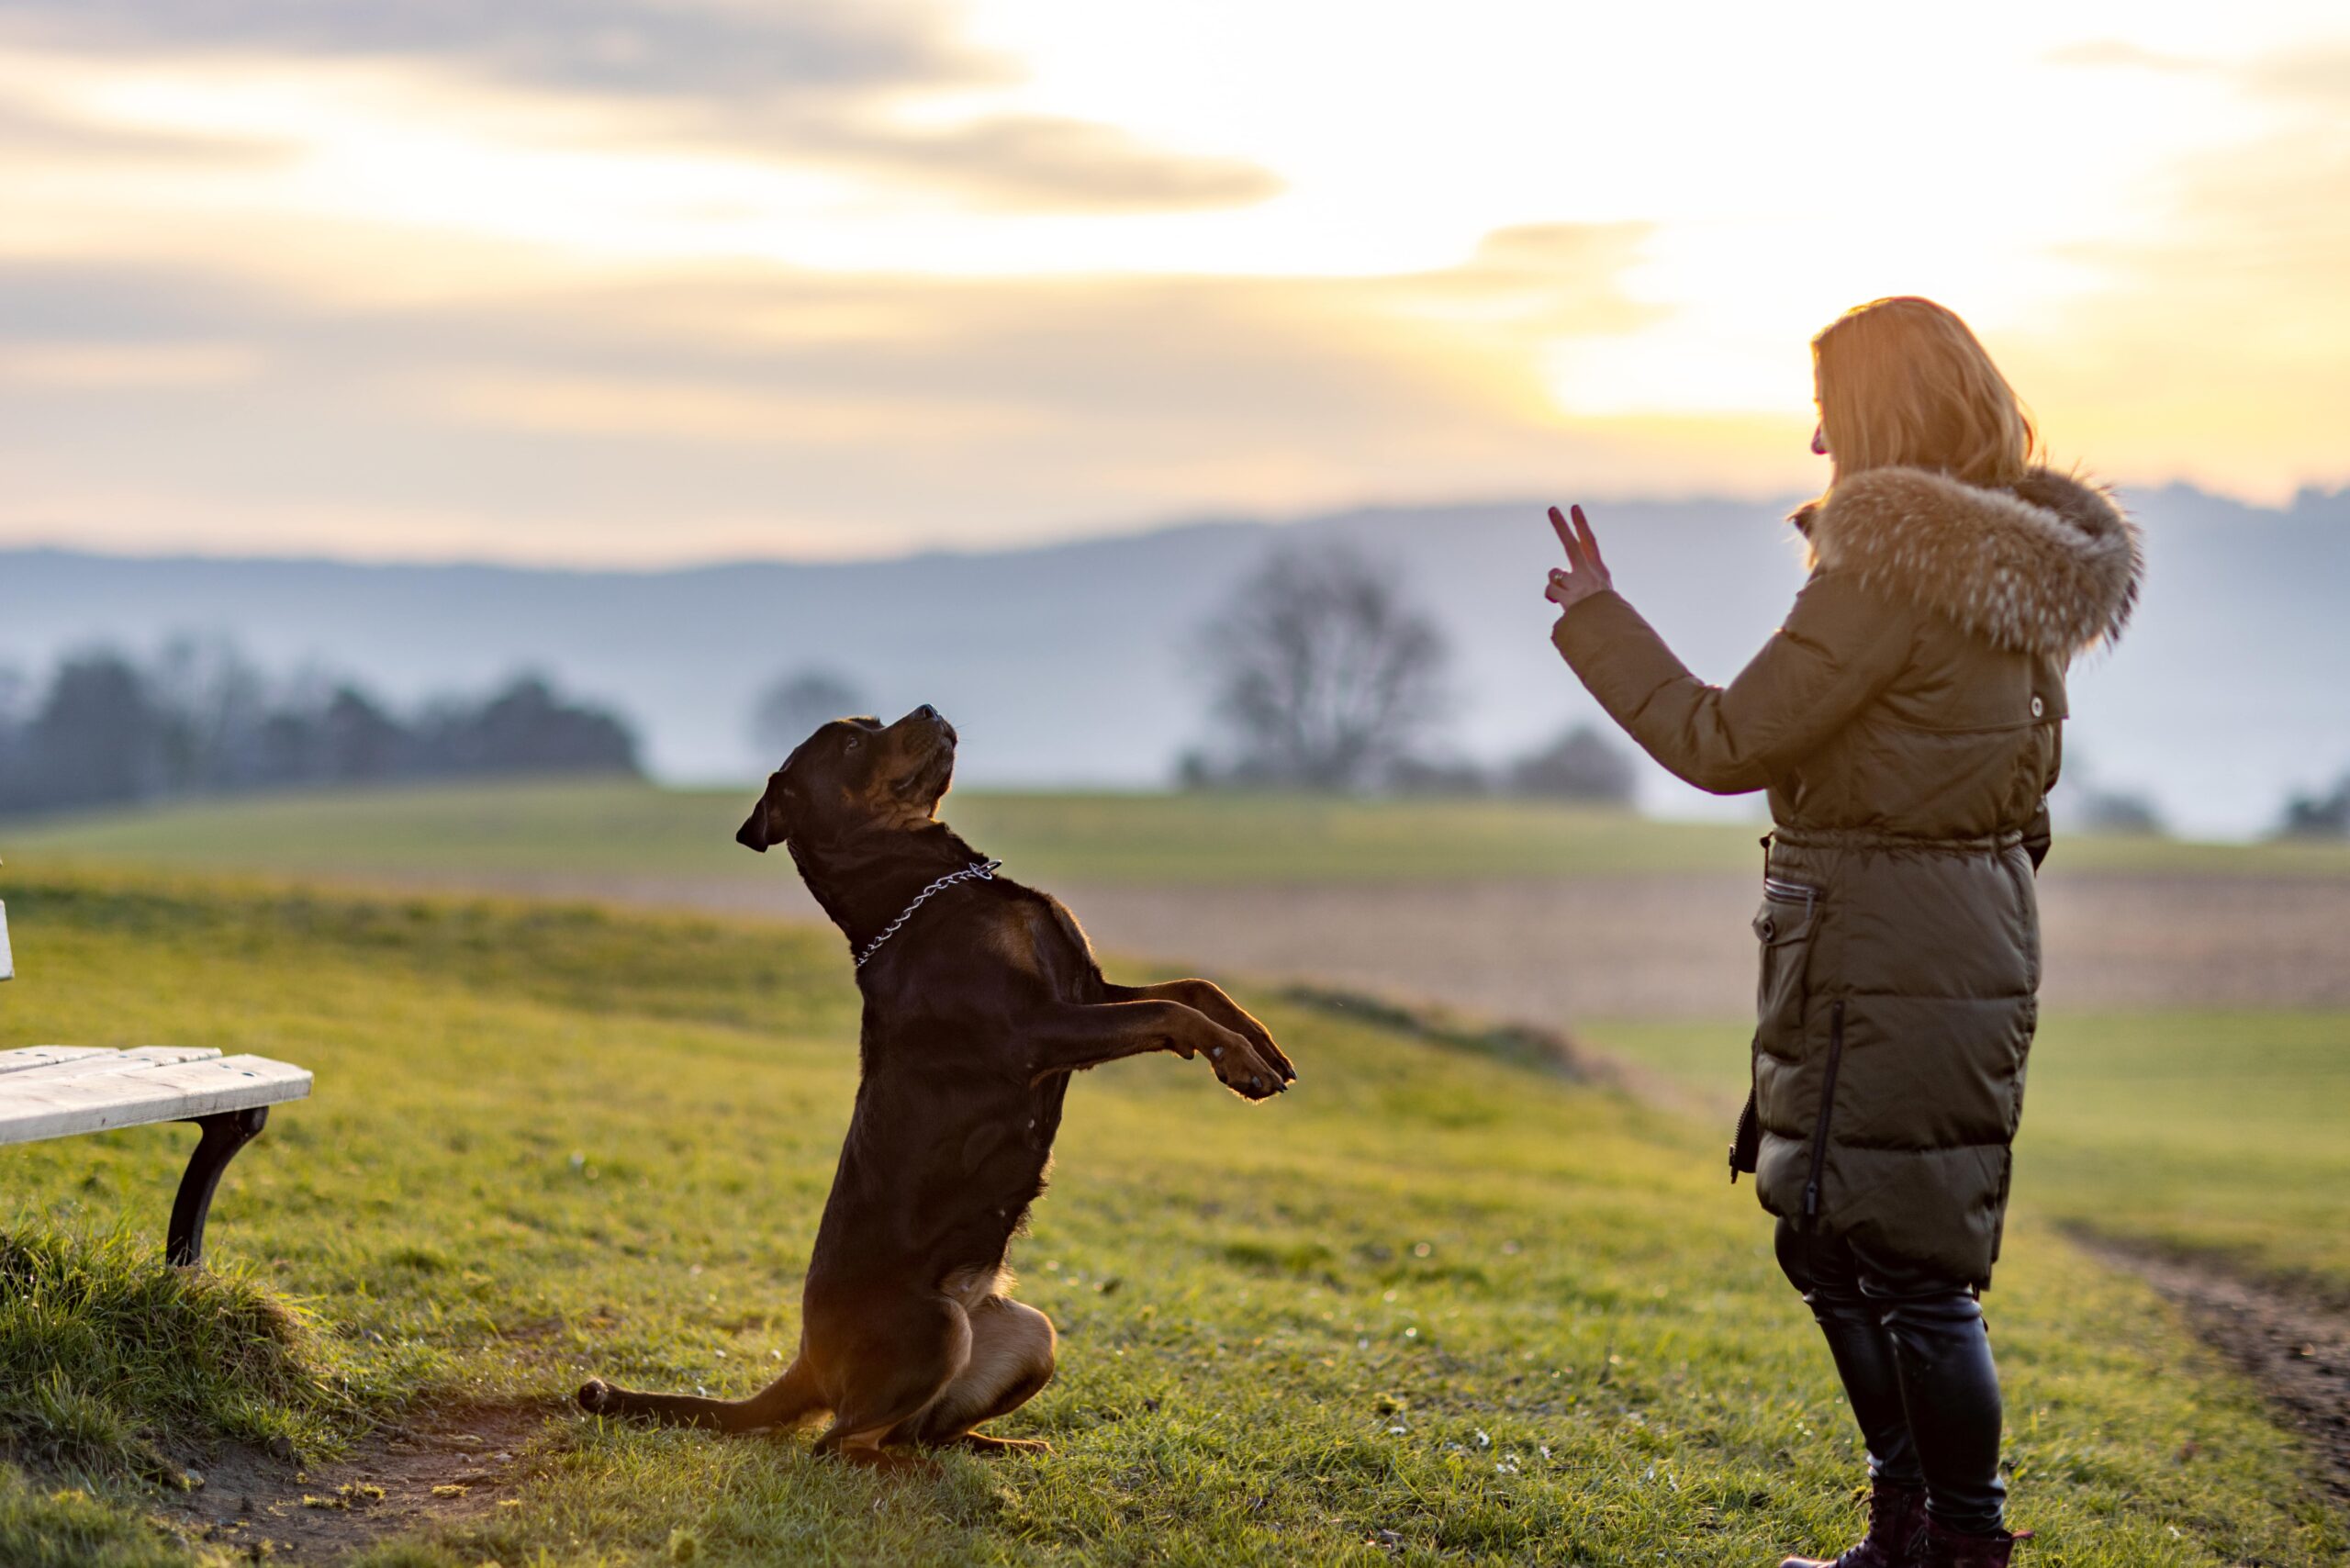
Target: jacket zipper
[[1827, 1105]]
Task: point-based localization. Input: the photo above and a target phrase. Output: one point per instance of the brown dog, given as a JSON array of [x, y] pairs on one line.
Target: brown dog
[[981, 997]]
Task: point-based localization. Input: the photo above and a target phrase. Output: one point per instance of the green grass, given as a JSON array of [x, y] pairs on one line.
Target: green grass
[[66, 1527], [105, 1349], [623, 828], [2221, 1133], [1429, 1307]]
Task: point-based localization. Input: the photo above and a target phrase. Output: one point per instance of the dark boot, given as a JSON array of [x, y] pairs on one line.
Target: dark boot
[[1897, 1514], [1938, 1546]]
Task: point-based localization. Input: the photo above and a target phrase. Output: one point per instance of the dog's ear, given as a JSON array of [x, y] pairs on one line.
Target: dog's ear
[[769, 822], [752, 833]]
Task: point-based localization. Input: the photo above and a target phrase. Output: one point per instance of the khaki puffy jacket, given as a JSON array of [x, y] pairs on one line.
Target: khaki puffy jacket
[[1906, 722]]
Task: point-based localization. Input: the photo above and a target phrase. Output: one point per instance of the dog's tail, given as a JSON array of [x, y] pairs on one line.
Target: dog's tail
[[786, 1401]]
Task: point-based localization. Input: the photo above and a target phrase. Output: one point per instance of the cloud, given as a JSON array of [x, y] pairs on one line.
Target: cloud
[[706, 50], [2318, 75], [651, 411], [812, 83], [752, 409], [1534, 277], [28, 137], [94, 366], [2099, 54], [1031, 162]]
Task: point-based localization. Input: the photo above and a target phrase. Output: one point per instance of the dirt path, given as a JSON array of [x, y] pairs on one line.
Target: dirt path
[[442, 1467], [2294, 1344]]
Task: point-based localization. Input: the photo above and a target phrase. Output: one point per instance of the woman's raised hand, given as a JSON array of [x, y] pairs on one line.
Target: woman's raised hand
[[1585, 573]]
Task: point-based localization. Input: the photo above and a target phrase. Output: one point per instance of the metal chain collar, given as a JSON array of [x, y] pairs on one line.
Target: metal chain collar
[[984, 872]]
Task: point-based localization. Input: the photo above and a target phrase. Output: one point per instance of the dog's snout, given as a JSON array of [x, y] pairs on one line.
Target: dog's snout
[[925, 711]]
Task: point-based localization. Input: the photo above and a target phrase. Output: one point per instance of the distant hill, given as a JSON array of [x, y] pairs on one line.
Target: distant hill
[[1071, 663]]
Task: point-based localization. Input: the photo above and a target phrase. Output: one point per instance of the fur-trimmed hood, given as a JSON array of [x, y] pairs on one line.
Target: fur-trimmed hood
[[2049, 566]]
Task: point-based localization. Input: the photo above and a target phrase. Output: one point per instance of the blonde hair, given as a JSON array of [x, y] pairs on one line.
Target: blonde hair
[[1903, 381]]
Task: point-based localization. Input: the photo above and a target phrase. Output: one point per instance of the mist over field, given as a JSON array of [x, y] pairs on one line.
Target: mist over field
[[1076, 663]]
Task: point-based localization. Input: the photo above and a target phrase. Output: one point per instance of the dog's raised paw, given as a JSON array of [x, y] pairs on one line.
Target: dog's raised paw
[[595, 1397]]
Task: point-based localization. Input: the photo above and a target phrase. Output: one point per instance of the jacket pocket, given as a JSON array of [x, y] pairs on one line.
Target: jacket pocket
[[1783, 926]]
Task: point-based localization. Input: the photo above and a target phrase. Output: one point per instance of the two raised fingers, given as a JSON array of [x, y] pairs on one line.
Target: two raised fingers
[[1582, 545]]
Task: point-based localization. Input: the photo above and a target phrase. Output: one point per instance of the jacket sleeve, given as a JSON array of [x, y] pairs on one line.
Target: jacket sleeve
[[1838, 648]]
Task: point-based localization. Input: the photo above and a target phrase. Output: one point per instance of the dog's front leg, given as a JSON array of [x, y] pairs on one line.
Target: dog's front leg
[[1207, 997], [1074, 1037]]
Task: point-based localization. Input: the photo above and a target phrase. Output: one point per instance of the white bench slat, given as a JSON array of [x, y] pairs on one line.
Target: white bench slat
[[95, 1063], [47, 1108], [25, 1058]]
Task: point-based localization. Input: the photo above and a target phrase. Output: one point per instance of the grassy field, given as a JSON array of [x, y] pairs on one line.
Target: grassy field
[[1430, 1306], [2226, 1133], [630, 828]]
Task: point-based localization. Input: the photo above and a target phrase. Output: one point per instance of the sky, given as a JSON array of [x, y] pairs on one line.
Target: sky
[[644, 282]]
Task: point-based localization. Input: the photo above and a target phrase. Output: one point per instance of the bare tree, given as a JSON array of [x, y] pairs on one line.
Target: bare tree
[[790, 707], [1324, 676], [213, 702]]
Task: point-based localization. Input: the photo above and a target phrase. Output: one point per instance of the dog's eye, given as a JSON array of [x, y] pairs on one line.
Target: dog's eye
[[854, 743]]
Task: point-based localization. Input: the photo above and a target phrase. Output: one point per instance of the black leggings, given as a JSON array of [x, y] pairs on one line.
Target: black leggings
[[1916, 1362]]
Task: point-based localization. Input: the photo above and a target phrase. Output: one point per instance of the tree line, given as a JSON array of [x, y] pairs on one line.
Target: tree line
[[197, 719]]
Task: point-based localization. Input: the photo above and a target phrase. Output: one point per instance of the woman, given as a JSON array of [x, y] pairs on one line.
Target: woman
[[1904, 721]]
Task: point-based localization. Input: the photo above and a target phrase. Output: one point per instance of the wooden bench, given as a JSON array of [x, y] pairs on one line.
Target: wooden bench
[[57, 1091]]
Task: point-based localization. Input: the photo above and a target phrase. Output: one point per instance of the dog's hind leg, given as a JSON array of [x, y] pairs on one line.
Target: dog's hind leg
[[1011, 1359], [905, 1361], [790, 1399]]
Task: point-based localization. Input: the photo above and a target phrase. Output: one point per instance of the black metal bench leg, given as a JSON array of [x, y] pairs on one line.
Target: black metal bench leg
[[223, 1136]]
